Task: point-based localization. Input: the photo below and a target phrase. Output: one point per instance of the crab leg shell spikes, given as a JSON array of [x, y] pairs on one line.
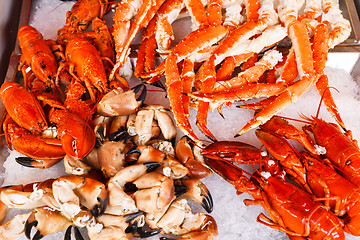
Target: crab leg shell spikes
[[246, 92], [252, 74], [291, 94], [192, 43], [340, 27], [174, 86], [228, 46], [124, 32], [320, 47], [304, 57]]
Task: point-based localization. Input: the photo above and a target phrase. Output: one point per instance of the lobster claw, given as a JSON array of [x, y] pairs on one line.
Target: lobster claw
[[77, 137], [238, 152]]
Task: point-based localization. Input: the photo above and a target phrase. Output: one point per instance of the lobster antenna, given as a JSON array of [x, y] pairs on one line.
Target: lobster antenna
[[322, 98], [297, 120]]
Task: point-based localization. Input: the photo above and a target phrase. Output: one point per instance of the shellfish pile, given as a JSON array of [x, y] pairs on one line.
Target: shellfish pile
[[195, 97]]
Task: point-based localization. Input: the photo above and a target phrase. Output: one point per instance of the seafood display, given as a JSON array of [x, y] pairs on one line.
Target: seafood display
[[132, 166]]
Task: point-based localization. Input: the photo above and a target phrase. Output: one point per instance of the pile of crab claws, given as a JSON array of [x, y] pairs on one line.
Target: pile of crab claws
[[77, 233]]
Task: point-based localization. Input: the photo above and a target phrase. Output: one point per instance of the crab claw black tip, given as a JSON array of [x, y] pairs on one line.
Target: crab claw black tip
[[99, 209], [132, 228], [37, 235], [221, 112], [142, 95], [28, 227], [207, 203], [132, 216], [180, 190], [130, 187], [119, 135], [173, 142], [133, 150], [147, 233], [77, 233], [159, 85], [25, 161], [152, 166], [67, 235]]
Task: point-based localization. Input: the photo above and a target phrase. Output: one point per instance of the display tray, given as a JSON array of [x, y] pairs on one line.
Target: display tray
[[235, 220]]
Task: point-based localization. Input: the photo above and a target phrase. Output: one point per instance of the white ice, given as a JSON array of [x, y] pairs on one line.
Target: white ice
[[235, 220]]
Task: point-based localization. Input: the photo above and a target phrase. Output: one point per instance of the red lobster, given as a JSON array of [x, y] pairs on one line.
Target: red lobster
[[292, 210], [36, 54], [82, 13], [325, 183], [27, 121], [342, 150]]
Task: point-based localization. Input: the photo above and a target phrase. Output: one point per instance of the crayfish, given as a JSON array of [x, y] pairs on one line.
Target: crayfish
[[291, 209]]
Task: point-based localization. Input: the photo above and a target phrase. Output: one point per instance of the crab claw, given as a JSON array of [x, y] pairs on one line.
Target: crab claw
[[184, 153], [46, 221], [71, 191], [197, 191], [94, 196], [120, 103], [35, 163]]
